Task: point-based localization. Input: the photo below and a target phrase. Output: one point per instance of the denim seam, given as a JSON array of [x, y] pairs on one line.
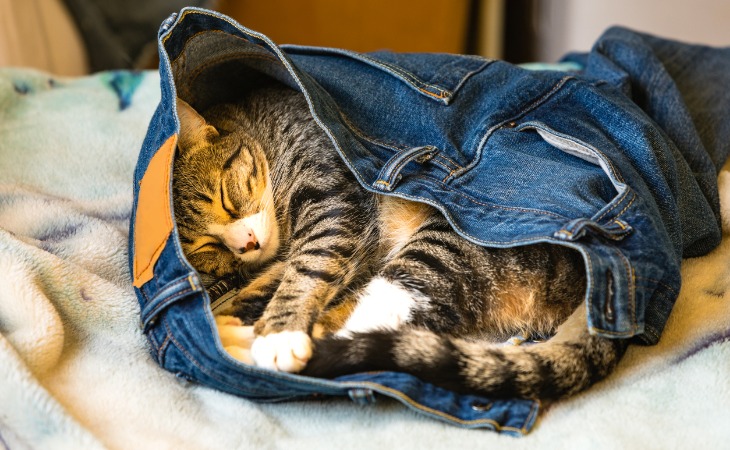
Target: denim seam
[[410, 78], [590, 285], [406, 75], [236, 388], [454, 164], [482, 143], [631, 282], [169, 299], [395, 171], [200, 69], [205, 13], [579, 142], [460, 231], [189, 38], [468, 75], [484, 242], [151, 337], [632, 288], [144, 295], [193, 361], [154, 344], [421, 407], [361, 134], [615, 204], [650, 330], [396, 147], [162, 348], [495, 206]]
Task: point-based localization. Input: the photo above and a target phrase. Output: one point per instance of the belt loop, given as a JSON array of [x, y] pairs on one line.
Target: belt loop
[[174, 291], [615, 230], [390, 175], [612, 292], [361, 396]]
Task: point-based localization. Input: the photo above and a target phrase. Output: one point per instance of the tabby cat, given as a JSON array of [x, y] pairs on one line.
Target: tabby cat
[[342, 280]]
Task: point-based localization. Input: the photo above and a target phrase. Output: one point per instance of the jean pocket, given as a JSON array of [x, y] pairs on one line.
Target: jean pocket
[[437, 76], [614, 187], [531, 168]]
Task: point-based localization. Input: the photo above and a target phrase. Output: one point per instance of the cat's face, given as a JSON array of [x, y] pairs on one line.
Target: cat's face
[[223, 198]]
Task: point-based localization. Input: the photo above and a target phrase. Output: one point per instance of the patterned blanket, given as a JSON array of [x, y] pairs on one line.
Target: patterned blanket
[[74, 366]]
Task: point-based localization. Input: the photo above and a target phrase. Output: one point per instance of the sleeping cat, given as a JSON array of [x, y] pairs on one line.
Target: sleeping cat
[[342, 280]]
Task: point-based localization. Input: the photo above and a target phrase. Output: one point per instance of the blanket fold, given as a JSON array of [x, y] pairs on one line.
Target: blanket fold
[[75, 369]]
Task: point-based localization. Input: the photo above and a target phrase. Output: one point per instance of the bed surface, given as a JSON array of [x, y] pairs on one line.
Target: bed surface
[[75, 371]]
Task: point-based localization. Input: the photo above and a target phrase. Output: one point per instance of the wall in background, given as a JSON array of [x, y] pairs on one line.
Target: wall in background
[[566, 25], [456, 26], [359, 26], [40, 34]]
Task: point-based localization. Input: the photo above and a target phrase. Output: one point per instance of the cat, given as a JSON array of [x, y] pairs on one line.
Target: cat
[[342, 280]]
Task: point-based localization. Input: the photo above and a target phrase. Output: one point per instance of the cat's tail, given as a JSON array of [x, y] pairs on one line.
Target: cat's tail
[[569, 362]]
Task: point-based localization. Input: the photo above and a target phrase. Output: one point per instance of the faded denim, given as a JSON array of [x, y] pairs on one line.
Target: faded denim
[[618, 160]]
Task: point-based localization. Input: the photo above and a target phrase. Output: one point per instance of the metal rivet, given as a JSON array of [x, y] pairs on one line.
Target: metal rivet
[[481, 407], [510, 125]]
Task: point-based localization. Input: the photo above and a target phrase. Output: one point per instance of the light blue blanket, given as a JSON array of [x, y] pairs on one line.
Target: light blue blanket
[[75, 371]]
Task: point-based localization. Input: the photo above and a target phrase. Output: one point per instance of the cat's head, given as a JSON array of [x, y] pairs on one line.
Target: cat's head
[[222, 197]]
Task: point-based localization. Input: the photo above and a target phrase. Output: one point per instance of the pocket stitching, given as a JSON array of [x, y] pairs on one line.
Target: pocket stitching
[[432, 90]]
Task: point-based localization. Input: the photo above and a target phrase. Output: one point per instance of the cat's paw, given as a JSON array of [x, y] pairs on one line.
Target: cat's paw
[[285, 351], [235, 337]]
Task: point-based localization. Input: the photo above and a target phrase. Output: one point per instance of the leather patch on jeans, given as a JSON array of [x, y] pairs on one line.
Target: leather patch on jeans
[[153, 220]]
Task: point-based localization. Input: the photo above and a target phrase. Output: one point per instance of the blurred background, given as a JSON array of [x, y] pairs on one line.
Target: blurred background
[[75, 37]]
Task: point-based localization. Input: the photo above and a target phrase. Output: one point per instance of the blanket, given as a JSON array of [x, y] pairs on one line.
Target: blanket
[[75, 372]]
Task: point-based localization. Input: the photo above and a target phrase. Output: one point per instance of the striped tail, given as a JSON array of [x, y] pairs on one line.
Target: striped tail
[[569, 362]]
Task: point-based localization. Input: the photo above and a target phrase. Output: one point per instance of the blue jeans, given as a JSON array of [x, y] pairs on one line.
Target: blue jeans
[[618, 161]]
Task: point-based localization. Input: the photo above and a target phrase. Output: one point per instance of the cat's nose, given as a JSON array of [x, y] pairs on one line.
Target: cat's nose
[[249, 243]]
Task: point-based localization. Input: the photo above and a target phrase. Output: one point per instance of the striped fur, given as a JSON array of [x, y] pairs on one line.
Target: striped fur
[[377, 282]]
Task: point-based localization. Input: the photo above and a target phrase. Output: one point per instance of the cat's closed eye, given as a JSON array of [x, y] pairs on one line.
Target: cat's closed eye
[[208, 245], [226, 202]]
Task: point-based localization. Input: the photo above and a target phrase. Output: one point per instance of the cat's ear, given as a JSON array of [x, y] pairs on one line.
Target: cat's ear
[[193, 127]]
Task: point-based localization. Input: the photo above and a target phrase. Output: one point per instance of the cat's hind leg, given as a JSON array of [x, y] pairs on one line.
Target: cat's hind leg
[[382, 305], [235, 337]]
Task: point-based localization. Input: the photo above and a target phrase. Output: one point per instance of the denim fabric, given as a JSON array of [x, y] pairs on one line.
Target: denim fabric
[[617, 161]]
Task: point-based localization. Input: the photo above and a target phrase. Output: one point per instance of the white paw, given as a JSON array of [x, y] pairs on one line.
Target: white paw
[[286, 351], [235, 337]]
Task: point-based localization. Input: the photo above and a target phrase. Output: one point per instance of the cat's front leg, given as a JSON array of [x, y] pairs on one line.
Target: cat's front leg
[[285, 351], [283, 340]]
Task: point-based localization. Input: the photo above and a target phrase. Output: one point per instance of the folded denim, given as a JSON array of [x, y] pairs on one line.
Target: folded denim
[[618, 160]]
